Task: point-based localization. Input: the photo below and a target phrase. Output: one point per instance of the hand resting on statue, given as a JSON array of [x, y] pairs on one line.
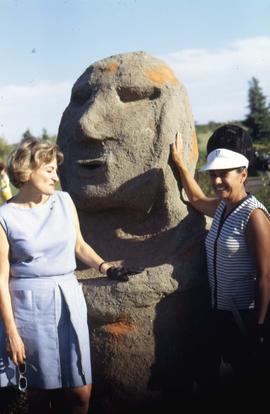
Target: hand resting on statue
[[121, 273]]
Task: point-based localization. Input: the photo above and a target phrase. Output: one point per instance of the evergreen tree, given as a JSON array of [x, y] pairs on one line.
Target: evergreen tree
[[5, 149], [27, 134], [46, 136], [258, 119]]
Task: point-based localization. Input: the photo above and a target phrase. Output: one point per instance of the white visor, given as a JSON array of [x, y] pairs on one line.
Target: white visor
[[223, 159]]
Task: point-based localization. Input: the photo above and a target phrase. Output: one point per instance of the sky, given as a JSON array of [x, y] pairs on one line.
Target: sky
[[214, 48]]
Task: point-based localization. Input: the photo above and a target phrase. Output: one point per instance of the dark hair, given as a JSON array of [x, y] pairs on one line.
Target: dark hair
[[234, 138]]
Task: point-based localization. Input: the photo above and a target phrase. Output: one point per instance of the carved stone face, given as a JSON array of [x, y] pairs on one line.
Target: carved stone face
[[115, 133]]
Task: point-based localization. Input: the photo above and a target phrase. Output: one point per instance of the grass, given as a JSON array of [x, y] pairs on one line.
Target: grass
[[262, 146], [202, 140]]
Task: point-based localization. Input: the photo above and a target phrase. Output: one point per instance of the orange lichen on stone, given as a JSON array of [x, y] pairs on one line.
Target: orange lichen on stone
[[194, 153], [119, 328], [161, 74], [111, 67]]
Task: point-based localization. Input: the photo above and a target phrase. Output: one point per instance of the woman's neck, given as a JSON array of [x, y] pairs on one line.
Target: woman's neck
[[232, 203], [26, 197]]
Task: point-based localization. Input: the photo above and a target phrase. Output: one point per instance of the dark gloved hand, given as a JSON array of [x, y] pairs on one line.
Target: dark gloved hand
[[121, 273]]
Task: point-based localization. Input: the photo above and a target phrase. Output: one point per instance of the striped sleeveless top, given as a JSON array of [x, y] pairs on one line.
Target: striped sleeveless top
[[231, 268]]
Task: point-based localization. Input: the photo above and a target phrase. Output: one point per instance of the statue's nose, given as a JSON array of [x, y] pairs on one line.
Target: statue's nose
[[97, 121]]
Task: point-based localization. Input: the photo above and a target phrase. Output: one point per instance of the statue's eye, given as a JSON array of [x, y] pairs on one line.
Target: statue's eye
[[132, 94], [80, 96]]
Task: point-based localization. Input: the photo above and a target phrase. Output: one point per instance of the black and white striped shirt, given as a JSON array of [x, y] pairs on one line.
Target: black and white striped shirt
[[231, 269]]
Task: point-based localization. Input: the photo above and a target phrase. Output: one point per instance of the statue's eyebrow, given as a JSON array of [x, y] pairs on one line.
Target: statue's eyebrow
[[135, 93]]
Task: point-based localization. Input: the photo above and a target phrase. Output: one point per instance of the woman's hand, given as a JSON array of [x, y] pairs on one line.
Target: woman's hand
[[15, 348], [121, 274], [177, 149]]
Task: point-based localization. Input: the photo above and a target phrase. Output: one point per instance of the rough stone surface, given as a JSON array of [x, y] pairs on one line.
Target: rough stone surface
[[116, 134]]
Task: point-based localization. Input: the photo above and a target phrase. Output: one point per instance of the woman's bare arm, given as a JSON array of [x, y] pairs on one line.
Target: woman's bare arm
[[258, 239], [84, 252], [15, 345], [196, 196]]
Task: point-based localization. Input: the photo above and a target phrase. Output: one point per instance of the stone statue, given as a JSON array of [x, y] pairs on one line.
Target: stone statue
[[115, 133]]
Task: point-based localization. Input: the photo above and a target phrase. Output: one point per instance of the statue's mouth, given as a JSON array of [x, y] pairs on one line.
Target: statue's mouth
[[92, 164]]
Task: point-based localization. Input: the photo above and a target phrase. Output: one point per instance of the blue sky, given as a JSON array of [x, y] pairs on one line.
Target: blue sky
[[214, 48]]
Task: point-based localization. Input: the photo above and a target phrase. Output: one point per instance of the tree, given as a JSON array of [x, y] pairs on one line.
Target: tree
[[27, 134], [46, 136], [5, 149], [258, 119]]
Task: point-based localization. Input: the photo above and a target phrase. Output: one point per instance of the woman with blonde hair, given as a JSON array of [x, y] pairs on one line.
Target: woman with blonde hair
[[44, 338]]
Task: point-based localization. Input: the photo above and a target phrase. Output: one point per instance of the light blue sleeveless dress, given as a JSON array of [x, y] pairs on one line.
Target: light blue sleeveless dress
[[48, 303]]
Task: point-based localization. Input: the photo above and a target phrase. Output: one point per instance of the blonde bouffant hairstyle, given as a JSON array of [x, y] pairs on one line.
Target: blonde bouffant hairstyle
[[29, 155]]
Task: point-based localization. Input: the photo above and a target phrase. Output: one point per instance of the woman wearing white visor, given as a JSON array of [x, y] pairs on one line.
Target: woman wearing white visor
[[238, 258]]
